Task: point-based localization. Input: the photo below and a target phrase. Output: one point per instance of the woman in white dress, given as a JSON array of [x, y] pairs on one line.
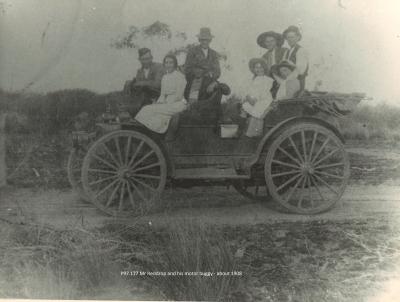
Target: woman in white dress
[[259, 97], [157, 116]]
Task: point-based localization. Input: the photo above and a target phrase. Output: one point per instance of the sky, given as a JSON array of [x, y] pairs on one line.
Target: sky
[[47, 45]]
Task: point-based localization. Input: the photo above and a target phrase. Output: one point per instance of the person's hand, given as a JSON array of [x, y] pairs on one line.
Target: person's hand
[[243, 113], [211, 87], [251, 100]]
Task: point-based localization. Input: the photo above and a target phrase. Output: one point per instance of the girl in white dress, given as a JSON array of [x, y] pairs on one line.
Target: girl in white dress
[[156, 116], [259, 97]]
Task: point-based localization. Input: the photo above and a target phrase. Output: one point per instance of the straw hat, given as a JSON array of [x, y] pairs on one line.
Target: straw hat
[[254, 61], [278, 37]]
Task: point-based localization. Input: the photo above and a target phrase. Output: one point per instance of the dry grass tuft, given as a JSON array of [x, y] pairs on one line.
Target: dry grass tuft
[[188, 246]]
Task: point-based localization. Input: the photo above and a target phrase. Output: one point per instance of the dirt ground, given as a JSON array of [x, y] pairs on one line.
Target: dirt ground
[[374, 190], [371, 203]]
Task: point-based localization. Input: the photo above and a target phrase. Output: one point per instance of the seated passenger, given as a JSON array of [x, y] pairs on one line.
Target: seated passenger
[[157, 116], [259, 98], [287, 77], [145, 87], [204, 94]]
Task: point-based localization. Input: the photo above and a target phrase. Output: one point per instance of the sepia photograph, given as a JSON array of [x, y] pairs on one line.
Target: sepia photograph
[[213, 150]]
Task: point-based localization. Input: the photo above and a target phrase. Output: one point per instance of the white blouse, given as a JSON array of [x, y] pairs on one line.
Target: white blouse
[[259, 89], [172, 87]]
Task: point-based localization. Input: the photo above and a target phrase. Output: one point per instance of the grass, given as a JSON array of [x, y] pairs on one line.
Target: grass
[[316, 261], [189, 247], [41, 262]]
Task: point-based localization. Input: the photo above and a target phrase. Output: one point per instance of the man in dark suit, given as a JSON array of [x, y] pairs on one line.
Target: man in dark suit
[[203, 53], [204, 104], [145, 87]]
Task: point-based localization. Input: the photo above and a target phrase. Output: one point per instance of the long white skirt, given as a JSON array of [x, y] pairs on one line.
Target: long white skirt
[[156, 116]]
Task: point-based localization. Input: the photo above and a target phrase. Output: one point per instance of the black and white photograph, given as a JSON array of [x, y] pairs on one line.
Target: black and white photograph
[[185, 150]]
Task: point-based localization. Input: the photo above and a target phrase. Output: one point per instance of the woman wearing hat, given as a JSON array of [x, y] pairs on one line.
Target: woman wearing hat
[[157, 116], [258, 98], [272, 41], [287, 77]]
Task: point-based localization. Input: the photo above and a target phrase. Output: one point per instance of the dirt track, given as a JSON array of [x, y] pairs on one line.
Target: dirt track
[[374, 191]]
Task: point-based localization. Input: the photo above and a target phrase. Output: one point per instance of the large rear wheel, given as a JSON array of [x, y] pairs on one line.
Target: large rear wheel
[[307, 168], [124, 173]]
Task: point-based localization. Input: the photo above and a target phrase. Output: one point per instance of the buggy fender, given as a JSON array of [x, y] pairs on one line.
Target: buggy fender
[[270, 135]]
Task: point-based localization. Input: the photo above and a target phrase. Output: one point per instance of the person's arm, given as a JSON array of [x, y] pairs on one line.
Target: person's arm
[[215, 67], [301, 61]]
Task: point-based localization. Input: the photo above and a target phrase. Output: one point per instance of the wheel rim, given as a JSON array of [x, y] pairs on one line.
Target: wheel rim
[[124, 173], [74, 171], [307, 169]]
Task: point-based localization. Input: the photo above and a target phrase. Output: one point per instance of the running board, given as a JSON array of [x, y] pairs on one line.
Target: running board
[[208, 173]]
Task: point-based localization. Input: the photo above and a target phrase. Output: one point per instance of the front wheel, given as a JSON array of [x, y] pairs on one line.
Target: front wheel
[[124, 173], [307, 168]]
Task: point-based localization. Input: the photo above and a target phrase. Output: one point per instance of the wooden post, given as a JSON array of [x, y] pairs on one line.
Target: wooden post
[[3, 167]]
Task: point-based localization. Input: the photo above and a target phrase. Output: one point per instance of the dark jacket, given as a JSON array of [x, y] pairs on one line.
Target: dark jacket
[[208, 107], [154, 76], [279, 55], [196, 54]]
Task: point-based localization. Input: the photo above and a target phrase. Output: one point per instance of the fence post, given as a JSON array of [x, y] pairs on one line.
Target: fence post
[[3, 167]]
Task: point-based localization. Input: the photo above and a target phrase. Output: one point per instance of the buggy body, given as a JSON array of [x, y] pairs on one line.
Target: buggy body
[[300, 160]]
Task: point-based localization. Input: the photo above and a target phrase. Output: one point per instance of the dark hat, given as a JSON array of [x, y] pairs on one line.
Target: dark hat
[[294, 29], [254, 61], [278, 37], [143, 51], [205, 33], [287, 64]]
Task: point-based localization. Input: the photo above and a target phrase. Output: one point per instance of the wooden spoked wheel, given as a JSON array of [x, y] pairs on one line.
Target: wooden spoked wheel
[[307, 168], [74, 171], [124, 173]]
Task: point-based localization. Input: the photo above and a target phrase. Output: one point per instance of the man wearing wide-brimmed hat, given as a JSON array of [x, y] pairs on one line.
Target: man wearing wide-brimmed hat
[[272, 41], [203, 52], [145, 87], [296, 54]]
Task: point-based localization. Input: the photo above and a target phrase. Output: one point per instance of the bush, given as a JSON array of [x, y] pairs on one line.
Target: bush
[[55, 111], [372, 122]]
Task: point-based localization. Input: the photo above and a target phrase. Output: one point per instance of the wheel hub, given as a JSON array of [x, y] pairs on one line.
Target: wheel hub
[[307, 168], [123, 173]]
